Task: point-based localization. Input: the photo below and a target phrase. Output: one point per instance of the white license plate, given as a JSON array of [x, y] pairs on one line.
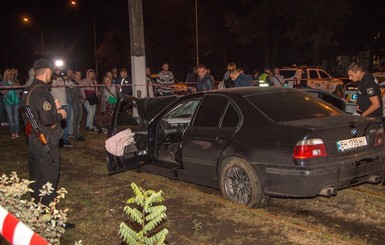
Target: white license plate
[[353, 143]]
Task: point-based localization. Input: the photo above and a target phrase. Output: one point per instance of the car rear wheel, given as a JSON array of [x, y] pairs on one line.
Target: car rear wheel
[[241, 184]]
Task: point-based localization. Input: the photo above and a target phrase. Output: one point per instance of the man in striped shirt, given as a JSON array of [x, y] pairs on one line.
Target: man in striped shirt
[[165, 81]]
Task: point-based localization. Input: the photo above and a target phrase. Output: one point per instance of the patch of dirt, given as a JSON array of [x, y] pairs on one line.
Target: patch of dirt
[[335, 217]]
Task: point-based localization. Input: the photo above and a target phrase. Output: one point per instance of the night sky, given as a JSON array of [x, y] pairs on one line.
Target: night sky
[[170, 34]]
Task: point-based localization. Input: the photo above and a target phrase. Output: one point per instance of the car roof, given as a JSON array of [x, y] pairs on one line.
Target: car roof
[[154, 105], [300, 67], [246, 91]]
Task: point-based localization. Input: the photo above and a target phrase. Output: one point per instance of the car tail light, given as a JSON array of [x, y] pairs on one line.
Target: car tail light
[[310, 148], [379, 137]]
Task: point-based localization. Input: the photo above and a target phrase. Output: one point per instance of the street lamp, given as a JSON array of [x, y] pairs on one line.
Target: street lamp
[[75, 3], [196, 31], [27, 20]]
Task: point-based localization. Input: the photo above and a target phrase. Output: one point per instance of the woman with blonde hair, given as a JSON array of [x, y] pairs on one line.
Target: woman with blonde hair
[[11, 103], [90, 95]]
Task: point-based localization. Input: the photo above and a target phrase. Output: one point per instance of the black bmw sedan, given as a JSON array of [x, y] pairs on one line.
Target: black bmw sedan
[[252, 143]]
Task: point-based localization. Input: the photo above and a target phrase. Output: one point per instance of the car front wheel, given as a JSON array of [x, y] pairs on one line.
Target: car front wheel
[[241, 184]]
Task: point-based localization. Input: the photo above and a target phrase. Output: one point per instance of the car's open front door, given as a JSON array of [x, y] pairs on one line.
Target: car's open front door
[[129, 114]]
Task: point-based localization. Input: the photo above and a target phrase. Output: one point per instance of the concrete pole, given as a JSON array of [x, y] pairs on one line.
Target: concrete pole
[[138, 58], [196, 32]]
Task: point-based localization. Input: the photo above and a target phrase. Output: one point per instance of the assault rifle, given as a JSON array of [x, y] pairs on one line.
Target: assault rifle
[[36, 129]]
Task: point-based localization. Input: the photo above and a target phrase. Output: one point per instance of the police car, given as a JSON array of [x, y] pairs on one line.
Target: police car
[[315, 78]]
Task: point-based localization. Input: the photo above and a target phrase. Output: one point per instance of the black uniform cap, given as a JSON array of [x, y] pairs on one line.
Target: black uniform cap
[[41, 64]]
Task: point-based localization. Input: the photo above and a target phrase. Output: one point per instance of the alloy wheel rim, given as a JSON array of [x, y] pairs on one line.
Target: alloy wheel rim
[[238, 186]]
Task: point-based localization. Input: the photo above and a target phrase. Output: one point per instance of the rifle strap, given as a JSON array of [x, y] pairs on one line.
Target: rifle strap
[[30, 92]]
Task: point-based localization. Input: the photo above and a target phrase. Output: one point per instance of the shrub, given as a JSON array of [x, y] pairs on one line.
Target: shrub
[[47, 221], [145, 221]]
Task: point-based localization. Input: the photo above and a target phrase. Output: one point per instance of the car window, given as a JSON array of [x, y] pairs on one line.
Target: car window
[[231, 118], [323, 74], [292, 105], [328, 98], [334, 101], [314, 93], [313, 74], [183, 111], [287, 73], [129, 114], [210, 112]]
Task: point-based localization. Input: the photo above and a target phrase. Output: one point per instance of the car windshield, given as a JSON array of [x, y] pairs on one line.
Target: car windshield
[[292, 105]]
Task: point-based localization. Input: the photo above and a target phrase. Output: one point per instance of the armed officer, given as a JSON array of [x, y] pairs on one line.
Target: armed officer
[[43, 161]]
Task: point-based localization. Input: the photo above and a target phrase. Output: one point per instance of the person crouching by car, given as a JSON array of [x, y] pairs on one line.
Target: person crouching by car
[[369, 102]]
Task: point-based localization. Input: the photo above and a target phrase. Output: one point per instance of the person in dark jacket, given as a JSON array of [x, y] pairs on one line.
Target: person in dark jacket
[[125, 81], [240, 79], [77, 103], [369, 100], [43, 164], [204, 82]]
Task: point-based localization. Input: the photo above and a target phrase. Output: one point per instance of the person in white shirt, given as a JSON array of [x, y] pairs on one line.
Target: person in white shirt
[[277, 79]]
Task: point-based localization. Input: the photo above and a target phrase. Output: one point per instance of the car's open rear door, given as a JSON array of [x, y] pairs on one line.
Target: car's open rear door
[[129, 114]]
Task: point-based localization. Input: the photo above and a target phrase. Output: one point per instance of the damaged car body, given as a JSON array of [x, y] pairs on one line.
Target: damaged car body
[[252, 143]]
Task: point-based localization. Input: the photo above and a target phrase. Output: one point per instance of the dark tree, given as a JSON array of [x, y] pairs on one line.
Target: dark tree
[[306, 28]]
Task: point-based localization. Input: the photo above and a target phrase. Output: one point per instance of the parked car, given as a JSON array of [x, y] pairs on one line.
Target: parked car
[[252, 143], [315, 77]]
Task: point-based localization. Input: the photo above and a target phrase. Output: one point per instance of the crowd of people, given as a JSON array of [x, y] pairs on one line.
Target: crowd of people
[[81, 95]]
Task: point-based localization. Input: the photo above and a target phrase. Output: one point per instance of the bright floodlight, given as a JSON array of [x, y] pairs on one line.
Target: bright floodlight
[[59, 63]]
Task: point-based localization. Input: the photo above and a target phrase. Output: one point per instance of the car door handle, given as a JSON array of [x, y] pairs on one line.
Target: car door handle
[[220, 140]]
